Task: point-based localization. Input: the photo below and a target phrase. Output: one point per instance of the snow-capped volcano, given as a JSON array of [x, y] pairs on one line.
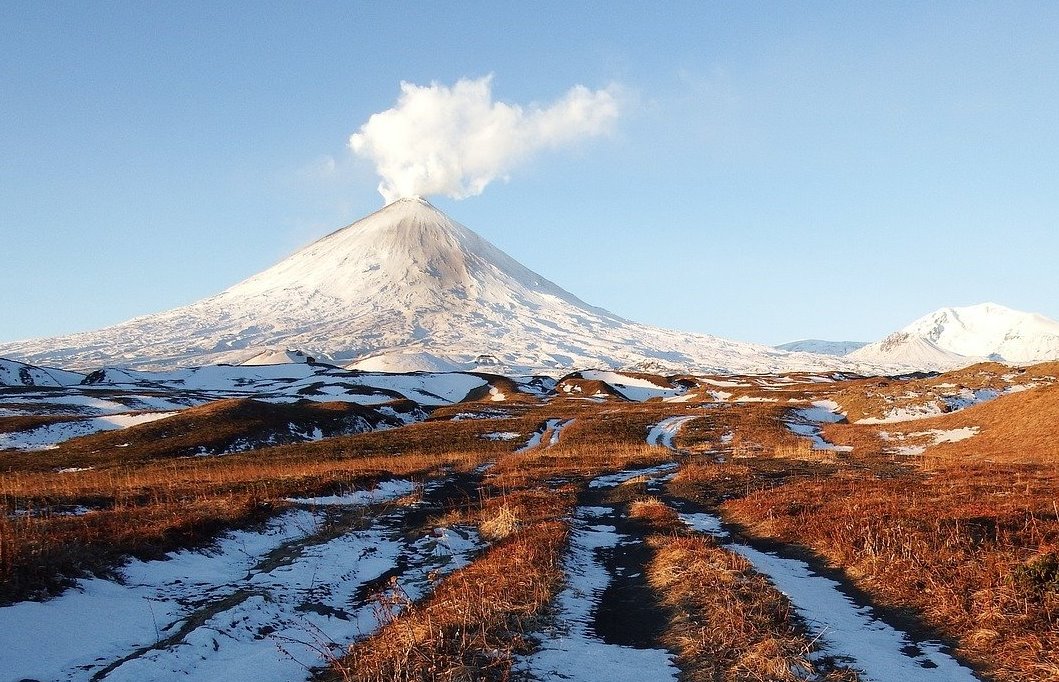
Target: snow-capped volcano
[[403, 289], [954, 337]]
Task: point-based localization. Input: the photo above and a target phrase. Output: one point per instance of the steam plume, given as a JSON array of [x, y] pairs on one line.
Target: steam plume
[[456, 140]]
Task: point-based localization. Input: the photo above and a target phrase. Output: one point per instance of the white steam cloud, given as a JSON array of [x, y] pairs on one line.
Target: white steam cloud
[[455, 141]]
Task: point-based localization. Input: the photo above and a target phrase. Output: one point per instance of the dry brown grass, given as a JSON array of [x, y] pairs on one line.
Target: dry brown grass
[[706, 471], [727, 622], [574, 462], [956, 547], [161, 505], [971, 547], [39, 555], [27, 422], [36, 551], [473, 624], [501, 524], [875, 397], [705, 434], [759, 431], [576, 388], [964, 537], [212, 428], [656, 514], [1017, 428], [498, 384]]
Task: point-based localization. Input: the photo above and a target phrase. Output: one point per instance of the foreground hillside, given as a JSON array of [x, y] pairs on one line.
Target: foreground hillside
[[289, 522]]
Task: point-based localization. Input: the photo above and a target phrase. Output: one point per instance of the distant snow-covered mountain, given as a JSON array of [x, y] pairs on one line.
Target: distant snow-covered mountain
[[838, 348], [956, 337], [404, 289]]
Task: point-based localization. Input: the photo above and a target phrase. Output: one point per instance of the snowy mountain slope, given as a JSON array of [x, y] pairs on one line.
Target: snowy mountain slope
[[903, 351], [275, 356], [989, 329], [14, 373], [822, 347], [956, 337], [405, 287]]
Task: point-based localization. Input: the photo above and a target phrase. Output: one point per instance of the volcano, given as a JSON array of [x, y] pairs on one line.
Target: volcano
[[956, 337], [403, 289]]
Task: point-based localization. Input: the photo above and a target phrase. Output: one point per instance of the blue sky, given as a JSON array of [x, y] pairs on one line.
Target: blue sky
[[778, 170]]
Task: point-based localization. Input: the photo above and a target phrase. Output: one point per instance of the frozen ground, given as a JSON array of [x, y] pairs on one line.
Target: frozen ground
[[548, 434], [663, 432], [806, 422], [846, 631], [571, 648], [260, 605]]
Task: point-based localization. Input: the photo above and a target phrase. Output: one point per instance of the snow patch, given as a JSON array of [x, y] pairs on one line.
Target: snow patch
[[662, 433], [805, 422], [49, 436], [385, 491], [571, 650], [501, 435], [845, 630]]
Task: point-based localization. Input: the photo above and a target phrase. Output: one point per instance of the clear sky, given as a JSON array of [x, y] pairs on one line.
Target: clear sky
[[777, 171]]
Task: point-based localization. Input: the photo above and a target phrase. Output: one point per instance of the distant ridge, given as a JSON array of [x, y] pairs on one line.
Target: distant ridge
[[838, 348]]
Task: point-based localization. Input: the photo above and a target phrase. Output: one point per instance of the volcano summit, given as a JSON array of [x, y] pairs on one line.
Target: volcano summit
[[404, 289]]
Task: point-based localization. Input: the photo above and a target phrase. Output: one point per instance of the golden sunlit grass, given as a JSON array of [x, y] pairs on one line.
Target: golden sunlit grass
[[761, 431], [726, 621], [657, 514], [954, 547], [475, 621], [875, 397], [1018, 428], [157, 505]]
